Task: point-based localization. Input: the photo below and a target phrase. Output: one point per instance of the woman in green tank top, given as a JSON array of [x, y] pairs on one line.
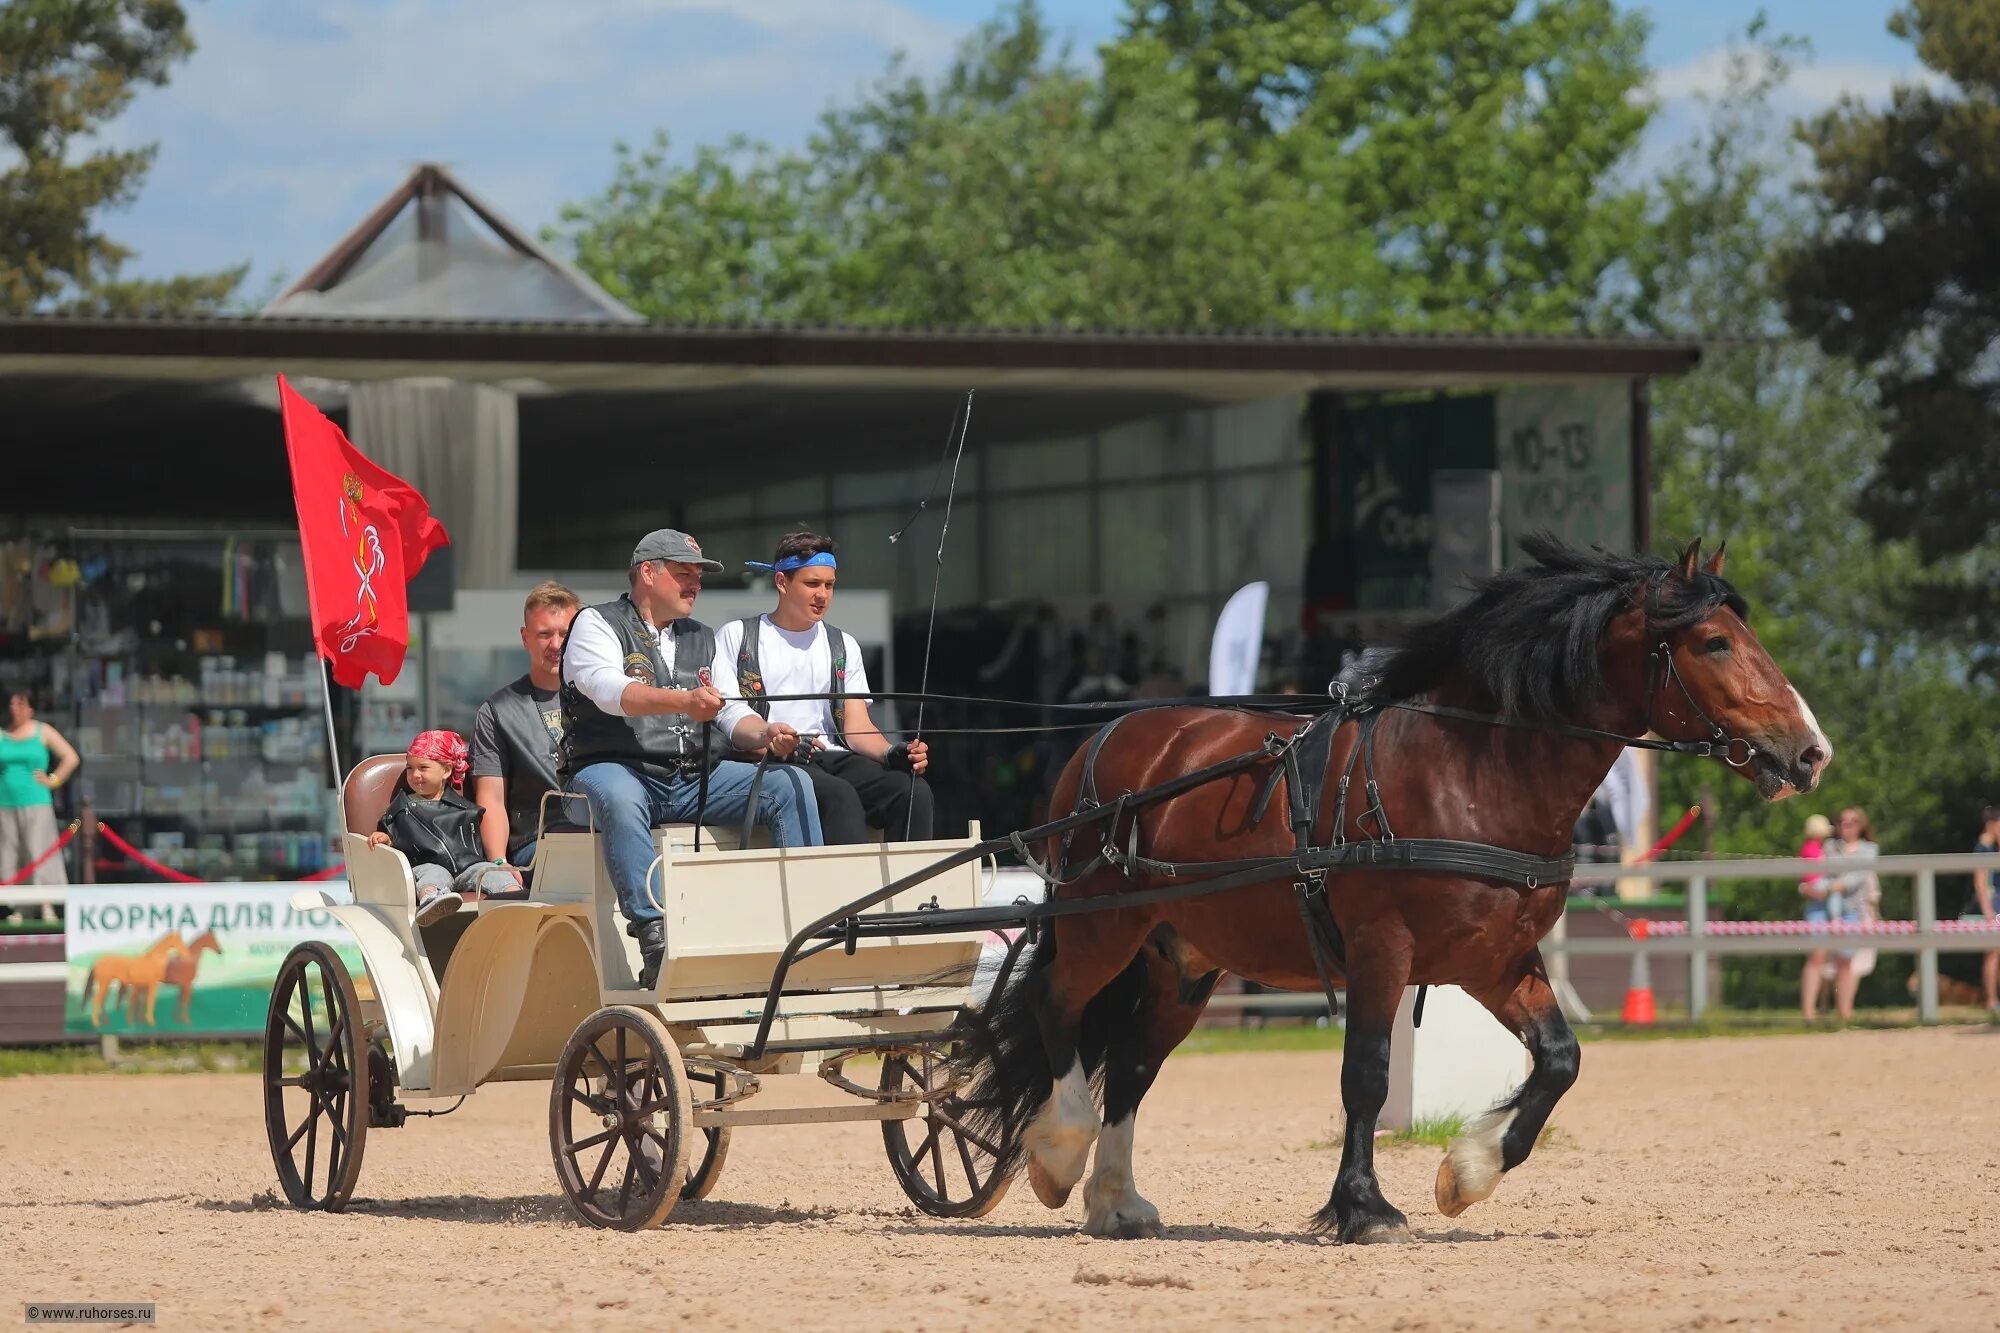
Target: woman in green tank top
[[27, 810]]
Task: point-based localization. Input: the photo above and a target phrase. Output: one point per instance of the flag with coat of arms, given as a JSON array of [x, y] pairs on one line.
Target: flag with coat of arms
[[364, 533]]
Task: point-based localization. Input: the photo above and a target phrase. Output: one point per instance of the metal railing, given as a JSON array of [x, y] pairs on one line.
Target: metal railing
[[1700, 940]]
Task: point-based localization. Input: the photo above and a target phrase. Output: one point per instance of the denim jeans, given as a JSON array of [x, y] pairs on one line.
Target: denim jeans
[[625, 804]]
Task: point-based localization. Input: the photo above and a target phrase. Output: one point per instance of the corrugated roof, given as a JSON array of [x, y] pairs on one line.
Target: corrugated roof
[[563, 354]]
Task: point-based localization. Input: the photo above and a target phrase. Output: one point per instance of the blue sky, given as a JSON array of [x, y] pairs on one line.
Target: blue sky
[[291, 120]]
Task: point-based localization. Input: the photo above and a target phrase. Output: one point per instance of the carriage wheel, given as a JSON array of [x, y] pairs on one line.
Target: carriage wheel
[[317, 1117], [947, 1168], [620, 1119], [705, 1167]]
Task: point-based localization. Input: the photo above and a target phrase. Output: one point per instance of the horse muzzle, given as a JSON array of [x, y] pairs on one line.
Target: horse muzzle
[[1790, 768]]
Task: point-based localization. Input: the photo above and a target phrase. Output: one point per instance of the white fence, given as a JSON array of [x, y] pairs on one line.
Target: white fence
[[1698, 938]]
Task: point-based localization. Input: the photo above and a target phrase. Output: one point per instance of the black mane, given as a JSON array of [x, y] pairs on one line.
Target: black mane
[[1528, 638]]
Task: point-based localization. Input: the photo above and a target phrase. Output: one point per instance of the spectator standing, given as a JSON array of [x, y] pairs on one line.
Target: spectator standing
[[27, 783], [1983, 905], [1848, 897], [1813, 888]]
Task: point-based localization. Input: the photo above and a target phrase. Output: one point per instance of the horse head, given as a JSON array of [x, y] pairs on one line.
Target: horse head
[[1709, 678], [206, 940]]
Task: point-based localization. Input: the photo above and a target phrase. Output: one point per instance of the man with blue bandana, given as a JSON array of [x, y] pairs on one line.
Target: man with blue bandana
[[859, 777]]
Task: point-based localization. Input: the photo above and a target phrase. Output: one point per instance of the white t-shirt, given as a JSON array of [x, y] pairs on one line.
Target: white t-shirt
[[792, 662], [594, 660]]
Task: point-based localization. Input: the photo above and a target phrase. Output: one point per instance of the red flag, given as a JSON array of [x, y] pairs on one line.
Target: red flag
[[364, 533]]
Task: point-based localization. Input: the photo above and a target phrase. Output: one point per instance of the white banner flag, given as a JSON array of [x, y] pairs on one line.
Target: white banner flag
[[1239, 641]]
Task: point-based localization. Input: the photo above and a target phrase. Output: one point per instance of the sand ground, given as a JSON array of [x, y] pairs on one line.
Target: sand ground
[[1807, 1182]]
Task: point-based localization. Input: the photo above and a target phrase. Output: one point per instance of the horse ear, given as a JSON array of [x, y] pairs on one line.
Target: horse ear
[[1690, 559], [1714, 565]]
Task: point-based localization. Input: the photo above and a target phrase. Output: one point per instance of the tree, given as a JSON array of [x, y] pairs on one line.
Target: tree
[[1770, 444], [1900, 272], [1456, 178], [66, 68], [1475, 139]]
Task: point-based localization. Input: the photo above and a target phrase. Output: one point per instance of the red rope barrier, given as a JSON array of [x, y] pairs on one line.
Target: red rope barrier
[[165, 872], [21, 876], [1673, 835], [334, 871]]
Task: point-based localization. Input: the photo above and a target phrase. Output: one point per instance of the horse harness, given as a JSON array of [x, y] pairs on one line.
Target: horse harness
[[1302, 761]]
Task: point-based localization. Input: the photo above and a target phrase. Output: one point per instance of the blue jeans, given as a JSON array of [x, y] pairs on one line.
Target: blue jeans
[[625, 804]]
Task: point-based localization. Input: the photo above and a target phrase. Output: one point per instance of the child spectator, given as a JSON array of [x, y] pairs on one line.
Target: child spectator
[[436, 828]]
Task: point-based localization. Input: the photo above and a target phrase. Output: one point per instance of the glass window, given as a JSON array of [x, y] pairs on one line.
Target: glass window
[[888, 486], [1039, 545], [1042, 463], [1259, 526], [1251, 434], [1140, 449], [1155, 539]]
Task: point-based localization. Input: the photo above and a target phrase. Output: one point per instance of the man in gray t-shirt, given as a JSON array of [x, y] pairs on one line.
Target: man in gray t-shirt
[[516, 733]]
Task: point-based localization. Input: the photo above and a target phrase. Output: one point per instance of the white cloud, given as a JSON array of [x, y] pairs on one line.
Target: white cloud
[[1810, 87], [288, 123]]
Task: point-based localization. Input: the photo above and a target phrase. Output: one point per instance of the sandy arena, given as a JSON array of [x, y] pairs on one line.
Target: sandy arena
[[1776, 1182]]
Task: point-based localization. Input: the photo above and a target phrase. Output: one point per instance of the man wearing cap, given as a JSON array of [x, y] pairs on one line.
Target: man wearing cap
[[859, 778], [636, 692]]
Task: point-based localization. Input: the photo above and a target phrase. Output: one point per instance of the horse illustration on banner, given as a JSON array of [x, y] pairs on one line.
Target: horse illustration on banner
[[136, 973], [181, 969]]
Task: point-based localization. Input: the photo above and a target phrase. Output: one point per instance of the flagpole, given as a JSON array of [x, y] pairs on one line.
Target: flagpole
[[332, 748]]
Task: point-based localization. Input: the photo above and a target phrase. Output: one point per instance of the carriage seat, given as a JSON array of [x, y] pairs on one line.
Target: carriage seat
[[370, 786]]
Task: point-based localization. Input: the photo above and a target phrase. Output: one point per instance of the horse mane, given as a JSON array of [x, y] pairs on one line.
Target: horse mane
[[1528, 637]]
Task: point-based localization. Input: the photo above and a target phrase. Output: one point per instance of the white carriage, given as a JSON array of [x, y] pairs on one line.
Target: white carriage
[[646, 1085]]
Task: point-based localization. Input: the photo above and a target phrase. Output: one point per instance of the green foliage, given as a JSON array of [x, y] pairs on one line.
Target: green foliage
[[1771, 444], [1900, 272], [1416, 166], [67, 67], [1436, 1133]]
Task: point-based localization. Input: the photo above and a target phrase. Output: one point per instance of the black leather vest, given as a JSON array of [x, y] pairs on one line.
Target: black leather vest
[[750, 672], [440, 833], [668, 745]]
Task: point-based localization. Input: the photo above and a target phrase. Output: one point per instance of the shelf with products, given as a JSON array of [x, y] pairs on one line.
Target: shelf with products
[[181, 666]]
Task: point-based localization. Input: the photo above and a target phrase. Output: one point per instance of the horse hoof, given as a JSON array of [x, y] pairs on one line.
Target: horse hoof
[[1138, 1228], [1048, 1189], [1452, 1201], [1383, 1233]]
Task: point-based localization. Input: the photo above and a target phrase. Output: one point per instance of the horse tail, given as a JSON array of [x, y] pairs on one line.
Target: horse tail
[[1005, 1060], [89, 985]]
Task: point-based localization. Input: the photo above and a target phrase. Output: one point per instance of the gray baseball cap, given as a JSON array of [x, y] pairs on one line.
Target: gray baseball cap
[[667, 544]]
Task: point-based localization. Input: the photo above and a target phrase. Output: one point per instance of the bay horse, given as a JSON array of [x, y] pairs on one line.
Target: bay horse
[[1535, 681]]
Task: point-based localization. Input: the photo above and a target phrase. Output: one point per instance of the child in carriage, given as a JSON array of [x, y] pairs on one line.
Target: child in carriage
[[436, 827]]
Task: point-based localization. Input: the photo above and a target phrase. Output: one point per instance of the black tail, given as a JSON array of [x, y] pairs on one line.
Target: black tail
[[1005, 1059]]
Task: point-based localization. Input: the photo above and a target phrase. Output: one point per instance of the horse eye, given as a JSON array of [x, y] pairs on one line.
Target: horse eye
[[1718, 644]]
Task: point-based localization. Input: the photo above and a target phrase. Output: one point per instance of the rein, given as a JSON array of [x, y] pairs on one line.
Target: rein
[[1719, 745]]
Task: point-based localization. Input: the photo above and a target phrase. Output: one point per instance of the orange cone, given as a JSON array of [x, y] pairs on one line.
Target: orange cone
[[1639, 990]]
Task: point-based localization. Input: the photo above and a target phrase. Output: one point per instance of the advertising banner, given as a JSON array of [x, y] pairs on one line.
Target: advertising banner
[[1566, 464], [187, 958]]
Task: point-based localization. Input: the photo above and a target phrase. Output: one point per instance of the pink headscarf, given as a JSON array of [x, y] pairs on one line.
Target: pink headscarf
[[447, 747]]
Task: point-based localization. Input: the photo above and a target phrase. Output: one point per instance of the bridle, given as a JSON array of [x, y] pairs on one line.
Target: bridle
[[1720, 745], [1660, 674]]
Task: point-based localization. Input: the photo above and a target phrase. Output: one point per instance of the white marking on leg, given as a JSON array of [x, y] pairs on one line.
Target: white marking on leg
[[1112, 1205], [1059, 1138], [1472, 1165]]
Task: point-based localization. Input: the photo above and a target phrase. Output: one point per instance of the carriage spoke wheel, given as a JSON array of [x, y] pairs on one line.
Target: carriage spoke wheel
[[315, 1078], [707, 1154], [620, 1119], [947, 1167]]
